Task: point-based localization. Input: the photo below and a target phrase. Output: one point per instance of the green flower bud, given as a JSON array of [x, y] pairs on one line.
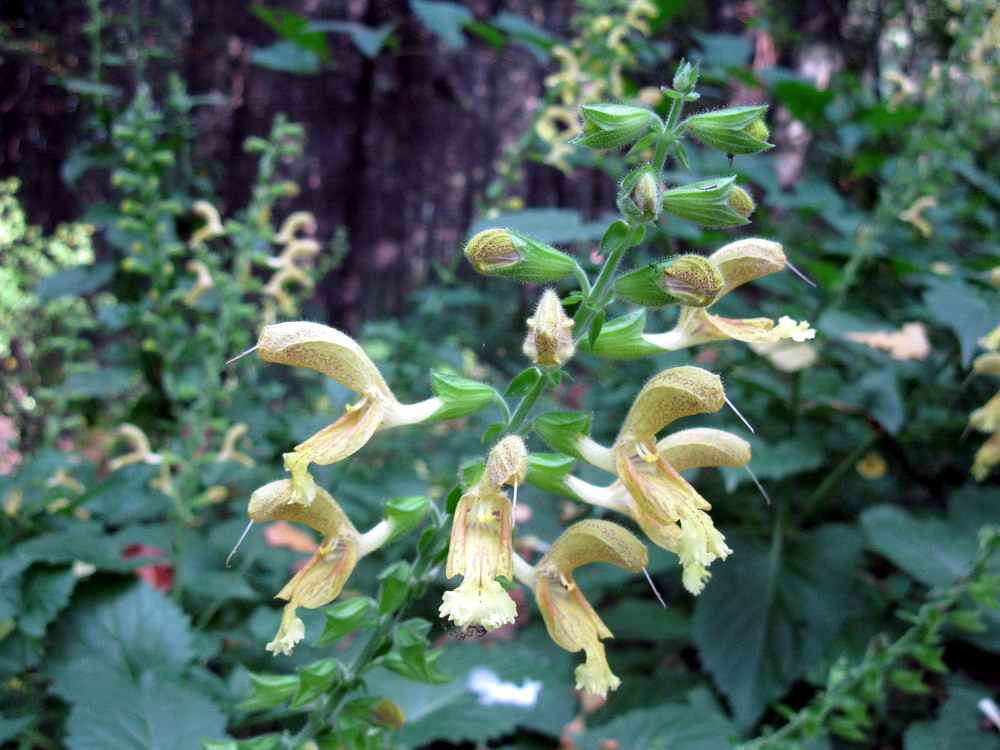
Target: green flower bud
[[460, 396], [614, 125], [741, 202], [686, 77], [690, 280], [639, 195], [704, 203], [504, 252], [734, 130]]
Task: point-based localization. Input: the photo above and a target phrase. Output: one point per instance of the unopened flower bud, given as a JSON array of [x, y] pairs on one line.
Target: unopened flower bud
[[741, 202], [505, 252], [758, 129], [507, 462], [639, 195], [550, 332], [688, 280], [610, 125]]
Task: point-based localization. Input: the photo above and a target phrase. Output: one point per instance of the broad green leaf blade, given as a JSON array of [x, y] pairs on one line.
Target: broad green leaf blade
[[46, 593], [151, 713], [550, 225], [931, 550], [958, 726], [759, 625], [117, 629], [699, 726]]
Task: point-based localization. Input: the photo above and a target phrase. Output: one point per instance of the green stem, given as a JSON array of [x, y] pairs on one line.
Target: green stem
[[588, 308], [831, 479], [524, 408]]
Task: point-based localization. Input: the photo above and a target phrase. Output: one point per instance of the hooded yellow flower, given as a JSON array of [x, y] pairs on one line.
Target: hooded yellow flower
[[650, 487], [481, 545], [739, 262], [571, 621], [338, 356], [323, 577]]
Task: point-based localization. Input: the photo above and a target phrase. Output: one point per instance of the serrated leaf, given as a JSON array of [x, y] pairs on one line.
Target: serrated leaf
[[775, 461], [681, 726], [760, 623], [126, 497], [135, 644], [46, 592], [443, 19], [368, 40], [151, 712], [959, 307], [67, 547]]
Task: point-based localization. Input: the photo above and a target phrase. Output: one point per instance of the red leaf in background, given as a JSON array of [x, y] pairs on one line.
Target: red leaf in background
[[158, 575]]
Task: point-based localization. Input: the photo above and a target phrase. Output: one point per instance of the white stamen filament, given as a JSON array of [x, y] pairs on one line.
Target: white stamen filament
[[759, 485], [240, 356], [239, 542], [655, 591], [744, 419]]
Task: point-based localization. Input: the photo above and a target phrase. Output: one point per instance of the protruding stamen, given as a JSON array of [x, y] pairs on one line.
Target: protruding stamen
[[965, 433], [799, 273], [513, 507], [759, 485], [989, 707], [744, 419], [240, 540], [240, 356], [655, 591]]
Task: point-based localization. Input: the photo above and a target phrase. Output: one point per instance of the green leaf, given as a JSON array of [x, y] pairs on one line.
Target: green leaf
[[11, 728], [46, 592], [287, 57], [595, 328], [958, 307], [369, 40], [761, 623], [411, 656], [67, 547], [535, 39], [315, 680], [957, 727], [406, 513], [134, 643], [295, 29], [443, 19], [395, 584], [126, 497], [269, 690], [104, 383], [775, 460], [522, 384], [150, 712], [75, 282], [697, 726], [343, 617], [930, 549]]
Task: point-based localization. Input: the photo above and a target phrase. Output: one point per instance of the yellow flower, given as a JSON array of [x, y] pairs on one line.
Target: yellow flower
[[480, 551], [481, 546], [571, 621], [650, 488], [739, 262], [323, 577], [338, 356]]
